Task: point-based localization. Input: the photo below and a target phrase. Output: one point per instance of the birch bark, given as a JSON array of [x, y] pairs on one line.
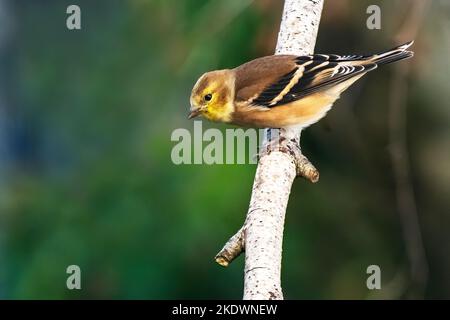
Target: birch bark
[[262, 232]]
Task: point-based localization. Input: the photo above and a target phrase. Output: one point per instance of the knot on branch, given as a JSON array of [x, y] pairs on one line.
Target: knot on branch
[[232, 249]]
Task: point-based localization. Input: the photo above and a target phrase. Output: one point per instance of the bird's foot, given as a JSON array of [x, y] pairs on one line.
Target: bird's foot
[[291, 146]]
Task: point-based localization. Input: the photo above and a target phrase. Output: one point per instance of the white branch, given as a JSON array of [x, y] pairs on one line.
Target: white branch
[[262, 233]]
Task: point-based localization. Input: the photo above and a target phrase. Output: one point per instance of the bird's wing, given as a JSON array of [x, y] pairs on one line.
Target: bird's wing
[[254, 77], [304, 75]]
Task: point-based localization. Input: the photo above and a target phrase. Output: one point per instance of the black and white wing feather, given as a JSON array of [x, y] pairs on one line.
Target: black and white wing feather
[[312, 74], [318, 72]]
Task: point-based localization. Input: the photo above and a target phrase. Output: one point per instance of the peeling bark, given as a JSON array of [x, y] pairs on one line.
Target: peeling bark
[[262, 233]]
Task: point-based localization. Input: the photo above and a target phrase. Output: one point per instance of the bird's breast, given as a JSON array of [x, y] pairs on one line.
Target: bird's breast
[[303, 112]]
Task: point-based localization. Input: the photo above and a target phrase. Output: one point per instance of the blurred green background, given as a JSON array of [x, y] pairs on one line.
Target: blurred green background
[[86, 176]]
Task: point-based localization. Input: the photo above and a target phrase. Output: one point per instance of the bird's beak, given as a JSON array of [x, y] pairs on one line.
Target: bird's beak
[[194, 113]]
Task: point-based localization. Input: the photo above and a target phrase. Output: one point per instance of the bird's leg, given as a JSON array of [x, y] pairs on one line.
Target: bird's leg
[[283, 141], [272, 142]]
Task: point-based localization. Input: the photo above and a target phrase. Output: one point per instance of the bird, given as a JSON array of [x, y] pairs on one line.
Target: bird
[[282, 91]]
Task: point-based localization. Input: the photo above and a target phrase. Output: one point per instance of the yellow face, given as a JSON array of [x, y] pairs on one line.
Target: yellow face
[[212, 97]]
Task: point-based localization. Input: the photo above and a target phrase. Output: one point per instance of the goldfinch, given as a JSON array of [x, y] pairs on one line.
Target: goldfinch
[[282, 90]]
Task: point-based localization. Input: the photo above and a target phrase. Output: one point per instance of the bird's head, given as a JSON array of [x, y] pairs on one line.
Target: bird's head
[[212, 96]]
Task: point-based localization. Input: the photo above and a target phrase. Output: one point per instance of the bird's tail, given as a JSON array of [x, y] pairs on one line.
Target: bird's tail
[[395, 54]]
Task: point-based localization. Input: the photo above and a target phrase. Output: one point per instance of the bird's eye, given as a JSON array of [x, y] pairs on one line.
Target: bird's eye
[[208, 97]]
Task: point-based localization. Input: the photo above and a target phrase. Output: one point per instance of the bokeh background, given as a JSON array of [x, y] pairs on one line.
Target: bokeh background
[[86, 176]]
